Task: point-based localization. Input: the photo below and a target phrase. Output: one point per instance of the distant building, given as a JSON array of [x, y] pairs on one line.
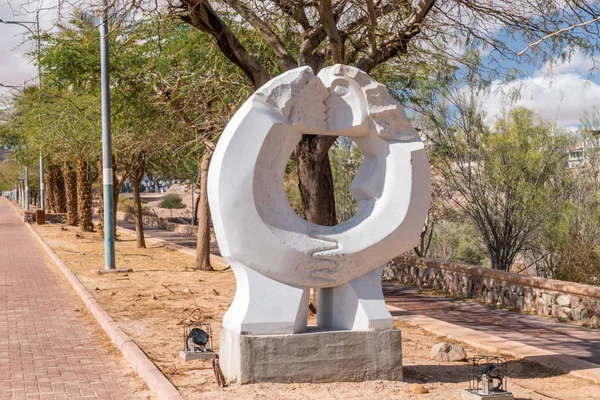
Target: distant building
[[581, 152]]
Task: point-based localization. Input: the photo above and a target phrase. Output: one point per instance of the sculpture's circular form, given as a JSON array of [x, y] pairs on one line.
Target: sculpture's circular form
[[253, 221]]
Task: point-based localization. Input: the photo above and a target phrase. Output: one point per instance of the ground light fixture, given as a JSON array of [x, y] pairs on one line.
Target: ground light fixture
[[197, 342], [487, 379]]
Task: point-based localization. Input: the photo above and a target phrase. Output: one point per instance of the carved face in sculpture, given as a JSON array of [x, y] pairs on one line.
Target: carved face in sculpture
[[254, 223]]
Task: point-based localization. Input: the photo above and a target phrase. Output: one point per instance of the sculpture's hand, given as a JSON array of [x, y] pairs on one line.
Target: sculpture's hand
[[323, 272], [324, 266]]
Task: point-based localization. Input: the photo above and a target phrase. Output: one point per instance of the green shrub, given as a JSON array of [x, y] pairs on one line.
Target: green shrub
[[125, 205], [171, 201]]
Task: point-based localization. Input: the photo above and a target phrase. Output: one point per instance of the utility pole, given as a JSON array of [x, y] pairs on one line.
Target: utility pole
[[107, 171]]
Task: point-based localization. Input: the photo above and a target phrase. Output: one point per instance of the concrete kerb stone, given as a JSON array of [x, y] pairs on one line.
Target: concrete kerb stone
[[141, 364], [567, 364]]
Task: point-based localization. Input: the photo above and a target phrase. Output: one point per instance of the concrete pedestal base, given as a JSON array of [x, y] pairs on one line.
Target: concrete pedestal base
[[314, 356], [197, 355], [469, 394]]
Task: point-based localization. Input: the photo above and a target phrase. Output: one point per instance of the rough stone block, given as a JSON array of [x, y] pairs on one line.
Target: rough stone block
[[314, 356], [448, 352], [585, 317], [563, 300], [576, 314]]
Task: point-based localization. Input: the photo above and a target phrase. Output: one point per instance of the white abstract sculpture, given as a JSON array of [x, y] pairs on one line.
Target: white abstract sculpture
[[276, 255]]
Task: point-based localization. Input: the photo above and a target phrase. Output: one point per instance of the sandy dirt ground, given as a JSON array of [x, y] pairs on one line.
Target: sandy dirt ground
[[164, 292]]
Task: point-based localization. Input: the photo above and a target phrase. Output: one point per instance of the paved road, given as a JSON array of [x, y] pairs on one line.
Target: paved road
[[176, 238], [544, 333], [48, 350], [537, 331]]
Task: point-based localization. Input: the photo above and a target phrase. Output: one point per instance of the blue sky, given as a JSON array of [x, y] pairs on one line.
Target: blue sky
[[559, 90]]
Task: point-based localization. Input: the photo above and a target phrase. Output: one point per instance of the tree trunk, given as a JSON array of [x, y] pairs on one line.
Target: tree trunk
[[116, 190], [50, 187], [315, 179], [33, 196], [84, 196], [196, 203], [137, 207], [203, 243], [70, 177], [56, 190], [61, 199], [100, 198]]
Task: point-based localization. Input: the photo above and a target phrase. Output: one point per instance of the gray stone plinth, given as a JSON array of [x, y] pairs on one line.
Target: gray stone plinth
[[314, 356], [468, 394]]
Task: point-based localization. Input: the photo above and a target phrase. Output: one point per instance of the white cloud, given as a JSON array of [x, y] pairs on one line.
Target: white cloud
[[577, 62], [559, 92], [16, 68]]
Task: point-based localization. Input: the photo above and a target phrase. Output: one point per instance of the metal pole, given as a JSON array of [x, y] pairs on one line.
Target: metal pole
[[39, 71], [42, 188], [22, 192], [107, 172], [26, 189]]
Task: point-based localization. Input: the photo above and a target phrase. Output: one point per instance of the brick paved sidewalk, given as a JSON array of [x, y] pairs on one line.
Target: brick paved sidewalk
[[48, 349]]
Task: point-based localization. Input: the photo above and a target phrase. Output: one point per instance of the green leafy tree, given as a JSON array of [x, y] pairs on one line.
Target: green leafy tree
[[499, 177]]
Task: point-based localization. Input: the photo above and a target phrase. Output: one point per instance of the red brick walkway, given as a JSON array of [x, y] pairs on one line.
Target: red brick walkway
[[48, 350]]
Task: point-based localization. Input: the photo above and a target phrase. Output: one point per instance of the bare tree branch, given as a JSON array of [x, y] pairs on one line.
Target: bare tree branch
[[399, 43], [201, 15], [295, 11], [286, 61], [558, 32], [336, 42]]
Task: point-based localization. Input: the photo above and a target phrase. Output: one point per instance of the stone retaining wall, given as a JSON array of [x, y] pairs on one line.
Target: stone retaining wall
[[562, 300], [148, 220], [58, 218]]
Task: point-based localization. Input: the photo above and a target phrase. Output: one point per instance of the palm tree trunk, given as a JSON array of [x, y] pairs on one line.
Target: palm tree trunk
[[84, 196], [100, 199], [56, 188], [70, 177], [50, 187]]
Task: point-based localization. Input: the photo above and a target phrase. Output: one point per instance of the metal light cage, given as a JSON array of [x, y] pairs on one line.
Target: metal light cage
[[186, 332], [489, 383]]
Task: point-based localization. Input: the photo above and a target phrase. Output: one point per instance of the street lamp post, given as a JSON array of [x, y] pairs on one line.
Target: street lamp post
[[42, 188], [107, 171], [26, 189], [22, 191]]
